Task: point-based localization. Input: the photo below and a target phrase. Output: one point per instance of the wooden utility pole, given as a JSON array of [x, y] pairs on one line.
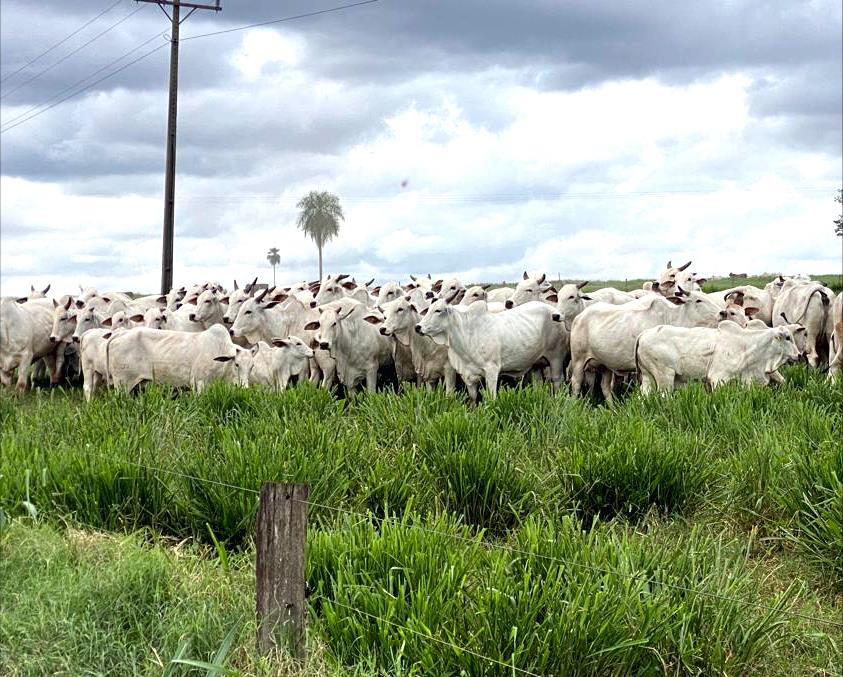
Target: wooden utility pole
[[279, 567], [170, 166]]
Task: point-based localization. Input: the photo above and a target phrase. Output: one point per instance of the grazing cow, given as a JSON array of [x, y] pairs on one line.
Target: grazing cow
[[347, 330], [25, 330], [429, 361], [180, 359], [805, 303], [667, 354], [605, 335], [485, 345], [274, 365]]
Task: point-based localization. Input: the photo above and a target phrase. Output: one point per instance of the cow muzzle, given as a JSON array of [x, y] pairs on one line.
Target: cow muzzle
[[231, 333], [324, 345], [508, 304], [384, 331], [192, 317], [75, 339], [419, 330], [53, 339]]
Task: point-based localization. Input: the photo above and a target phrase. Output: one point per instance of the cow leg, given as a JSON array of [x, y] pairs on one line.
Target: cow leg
[[58, 361], [450, 379], [648, 383], [577, 374], [315, 372], [471, 384], [491, 374], [813, 354], [776, 377], [665, 380], [329, 376], [372, 379], [607, 385], [23, 370]]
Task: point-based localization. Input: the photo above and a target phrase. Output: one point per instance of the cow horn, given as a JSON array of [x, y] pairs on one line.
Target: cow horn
[[32, 287], [680, 291], [260, 296], [582, 284], [413, 278], [369, 282], [250, 288], [235, 285], [341, 277], [670, 264], [47, 288], [784, 317], [685, 266], [525, 276]]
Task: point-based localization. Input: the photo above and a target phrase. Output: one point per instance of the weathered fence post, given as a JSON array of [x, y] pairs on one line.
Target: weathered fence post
[[281, 535]]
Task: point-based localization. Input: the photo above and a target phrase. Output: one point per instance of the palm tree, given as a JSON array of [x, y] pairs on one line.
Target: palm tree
[[320, 218], [274, 259]]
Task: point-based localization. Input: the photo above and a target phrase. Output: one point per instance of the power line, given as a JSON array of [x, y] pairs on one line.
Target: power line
[[61, 42], [282, 19], [87, 77], [75, 51], [84, 89], [203, 35]]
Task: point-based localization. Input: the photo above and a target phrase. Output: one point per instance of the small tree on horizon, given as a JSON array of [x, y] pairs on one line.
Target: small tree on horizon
[[274, 259], [320, 218]]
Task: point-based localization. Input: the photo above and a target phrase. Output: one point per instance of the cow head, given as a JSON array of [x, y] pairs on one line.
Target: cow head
[[64, 321], [436, 320]]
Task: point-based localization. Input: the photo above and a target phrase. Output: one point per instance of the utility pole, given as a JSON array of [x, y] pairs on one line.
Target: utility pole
[[172, 110]]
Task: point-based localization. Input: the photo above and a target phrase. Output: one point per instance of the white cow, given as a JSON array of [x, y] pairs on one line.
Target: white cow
[[528, 289], [388, 292], [834, 331], [605, 335], [36, 293], [805, 303], [92, 359], [180, 359], [752, 356], [610, 295], [274, 365], [429, 361], [666, 354], [485, 345], [25, 330], [347, 330]]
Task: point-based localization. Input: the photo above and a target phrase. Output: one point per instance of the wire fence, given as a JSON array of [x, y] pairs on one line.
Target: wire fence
[[516, 552]]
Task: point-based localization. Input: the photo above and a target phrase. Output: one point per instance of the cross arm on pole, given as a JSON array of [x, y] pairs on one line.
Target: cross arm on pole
[[189, 5]]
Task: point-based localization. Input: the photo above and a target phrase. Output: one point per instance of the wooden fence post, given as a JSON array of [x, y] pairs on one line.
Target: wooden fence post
[[281, 535]]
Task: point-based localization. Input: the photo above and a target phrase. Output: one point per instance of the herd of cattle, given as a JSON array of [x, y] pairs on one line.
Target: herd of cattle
[[427, 330]]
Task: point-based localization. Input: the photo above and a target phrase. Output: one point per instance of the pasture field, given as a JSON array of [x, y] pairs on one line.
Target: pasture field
[[695, 533]]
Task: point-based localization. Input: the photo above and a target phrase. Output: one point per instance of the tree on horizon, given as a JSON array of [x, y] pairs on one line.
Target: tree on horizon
[[320, 218]]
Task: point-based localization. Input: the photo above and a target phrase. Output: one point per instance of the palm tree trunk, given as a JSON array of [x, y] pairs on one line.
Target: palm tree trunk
[[273, 274], [320, 262]]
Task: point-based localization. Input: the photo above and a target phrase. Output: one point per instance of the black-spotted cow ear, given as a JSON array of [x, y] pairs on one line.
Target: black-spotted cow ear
[[224, 358], [553, 298], [311, 326], [106, 322]]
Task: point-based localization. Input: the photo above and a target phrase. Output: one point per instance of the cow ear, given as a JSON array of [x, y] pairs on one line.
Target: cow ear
[[161, 299], [372, 319], [224, 299], [485, 286], [553, 298], [21, 299], [192, 300], [71, 319], [136, 318], [749, 312], [106, 299], [271, 304], [376, 290], [701, 280], [413, 307], [224, 358], [675, 300], [525, 276], [542, 278], [351, 284], [585, 298], [801, 329], [108, 334], [423, 312], [55, 305], [281, 343], [106, 322], [437, 286], [311, 326]]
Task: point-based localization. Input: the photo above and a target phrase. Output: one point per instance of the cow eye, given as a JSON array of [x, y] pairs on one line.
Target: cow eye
[[207, 300], [400, 310], [438, 311], [248, 312], [570, 297]]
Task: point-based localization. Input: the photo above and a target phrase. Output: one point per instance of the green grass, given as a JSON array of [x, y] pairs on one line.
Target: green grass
[[734, 492]]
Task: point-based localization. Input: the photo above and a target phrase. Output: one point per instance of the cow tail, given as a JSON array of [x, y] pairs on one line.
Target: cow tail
[[823, 299], [107, 359]]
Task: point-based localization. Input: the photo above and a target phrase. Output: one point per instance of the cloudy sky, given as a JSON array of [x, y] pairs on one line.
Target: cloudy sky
[[471, 137]]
